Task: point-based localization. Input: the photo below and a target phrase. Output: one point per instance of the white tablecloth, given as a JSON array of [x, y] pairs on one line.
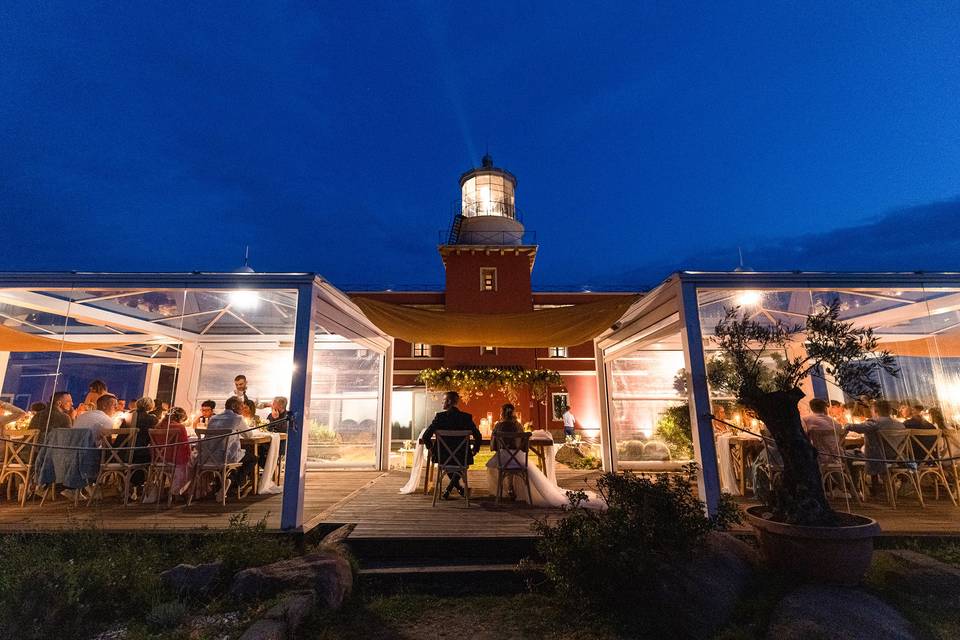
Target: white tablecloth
[[267, 485]]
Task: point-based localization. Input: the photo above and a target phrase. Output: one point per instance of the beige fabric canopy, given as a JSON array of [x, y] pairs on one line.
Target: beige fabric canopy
[[556, 327], [14, 340]]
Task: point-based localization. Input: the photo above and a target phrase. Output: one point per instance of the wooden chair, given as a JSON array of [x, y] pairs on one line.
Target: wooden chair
[[952, 452], [453, 455], [116, 461], [896, 454], [211, 461], [18, 460], [162, 468], [513, 456], [834, 473], [925, 447]]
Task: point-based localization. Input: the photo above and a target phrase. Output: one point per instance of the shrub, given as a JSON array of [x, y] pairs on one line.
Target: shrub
[[613, 560], [674, 428], [244, 545], [586, 462]]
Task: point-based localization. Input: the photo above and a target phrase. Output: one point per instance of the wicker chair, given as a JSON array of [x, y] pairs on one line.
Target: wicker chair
[[18, 460], [116, 461], [453, 455], [211, 461], [513, 455]]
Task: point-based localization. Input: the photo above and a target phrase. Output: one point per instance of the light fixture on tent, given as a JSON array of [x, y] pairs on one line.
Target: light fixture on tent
[[749, 298], [242, 298]]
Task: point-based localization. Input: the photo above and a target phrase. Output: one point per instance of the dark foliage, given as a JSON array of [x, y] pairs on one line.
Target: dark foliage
[[613, 560]]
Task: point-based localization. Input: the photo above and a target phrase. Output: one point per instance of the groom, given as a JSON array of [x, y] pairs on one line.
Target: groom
[[452, 419]]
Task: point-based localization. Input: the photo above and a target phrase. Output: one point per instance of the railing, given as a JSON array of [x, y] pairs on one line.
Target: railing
[[490, 237], [494, 208]]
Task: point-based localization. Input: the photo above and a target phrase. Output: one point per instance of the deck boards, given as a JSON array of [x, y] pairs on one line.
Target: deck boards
[[380, 512], [323, 490]]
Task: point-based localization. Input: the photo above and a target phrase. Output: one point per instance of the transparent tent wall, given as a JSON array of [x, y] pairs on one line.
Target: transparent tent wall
[[343, 427], [919, 325], [647, 400]]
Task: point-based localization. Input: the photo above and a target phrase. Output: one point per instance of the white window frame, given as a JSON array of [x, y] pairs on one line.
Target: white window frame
[[553, 404], [557, 352], [488, 351], [426, 351], [492, 271]]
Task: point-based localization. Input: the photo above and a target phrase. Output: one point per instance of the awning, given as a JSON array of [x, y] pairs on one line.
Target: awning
[[943, 345], [13, 340], [556, 327]]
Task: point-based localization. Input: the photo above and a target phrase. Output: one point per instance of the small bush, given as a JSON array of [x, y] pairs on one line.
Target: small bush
[[613, 560], [675, 429], [244, 545], [586, 462]]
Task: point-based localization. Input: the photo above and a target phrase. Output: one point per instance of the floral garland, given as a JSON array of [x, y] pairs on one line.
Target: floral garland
[[473, 382]]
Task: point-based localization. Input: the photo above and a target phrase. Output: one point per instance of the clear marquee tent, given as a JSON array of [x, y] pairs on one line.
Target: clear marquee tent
[[183, 337], [656, 356]]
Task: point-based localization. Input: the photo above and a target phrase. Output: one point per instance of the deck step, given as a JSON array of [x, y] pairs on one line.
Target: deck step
[[443, 579]]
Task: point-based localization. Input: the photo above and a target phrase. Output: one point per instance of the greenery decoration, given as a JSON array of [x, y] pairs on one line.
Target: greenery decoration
[[508, 381]]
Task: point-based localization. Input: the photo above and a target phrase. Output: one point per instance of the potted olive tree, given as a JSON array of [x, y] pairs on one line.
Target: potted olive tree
[[798, 529]]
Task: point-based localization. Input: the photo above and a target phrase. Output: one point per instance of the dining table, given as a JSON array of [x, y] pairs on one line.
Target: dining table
[[253, 441]]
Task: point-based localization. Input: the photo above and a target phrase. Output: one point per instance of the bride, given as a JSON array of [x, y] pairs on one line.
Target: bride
[[543, 491]]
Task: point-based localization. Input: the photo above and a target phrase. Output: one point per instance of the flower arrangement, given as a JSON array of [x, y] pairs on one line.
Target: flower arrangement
[[473, 382]]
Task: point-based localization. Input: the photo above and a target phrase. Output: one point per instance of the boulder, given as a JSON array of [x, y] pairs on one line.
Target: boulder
[[709, 585], [916, 573], [328, 575], [284, 619], [188, 579], [570, 453], [825, 611]]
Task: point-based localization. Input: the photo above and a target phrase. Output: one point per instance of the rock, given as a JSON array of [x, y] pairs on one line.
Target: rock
[[338, 535], [265, 630], [916, 573], [284, 619], [188, 579], [570, 453], [824, 611], [709, 585], [329, 575]]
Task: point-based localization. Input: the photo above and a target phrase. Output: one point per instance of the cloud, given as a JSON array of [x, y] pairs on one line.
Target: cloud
[[917, 238]]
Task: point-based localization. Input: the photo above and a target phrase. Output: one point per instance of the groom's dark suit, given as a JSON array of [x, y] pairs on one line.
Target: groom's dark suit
[[452, 420]]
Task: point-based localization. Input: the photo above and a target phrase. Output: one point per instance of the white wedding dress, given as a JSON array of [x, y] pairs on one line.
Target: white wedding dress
[[544, 490]]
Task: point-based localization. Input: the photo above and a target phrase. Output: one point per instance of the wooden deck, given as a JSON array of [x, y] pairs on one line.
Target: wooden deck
[[380, 512], [324, 490]]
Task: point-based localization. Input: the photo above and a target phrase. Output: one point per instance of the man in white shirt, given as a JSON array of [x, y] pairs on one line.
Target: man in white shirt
[[569, 421], [100, 419], [231, 451]]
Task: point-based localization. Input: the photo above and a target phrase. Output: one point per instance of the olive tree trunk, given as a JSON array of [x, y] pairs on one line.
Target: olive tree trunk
[[798, 496]]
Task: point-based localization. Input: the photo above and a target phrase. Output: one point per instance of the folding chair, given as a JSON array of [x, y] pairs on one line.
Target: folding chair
[[453, 455], [513, 455], [18, 460], [925, 447]]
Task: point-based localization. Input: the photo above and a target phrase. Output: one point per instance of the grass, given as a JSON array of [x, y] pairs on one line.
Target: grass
[[476, 617]]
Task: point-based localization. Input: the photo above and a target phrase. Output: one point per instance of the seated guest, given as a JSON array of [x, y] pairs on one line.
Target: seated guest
[[101, 419], [57, 416], [206, 412], [278, 411], [452, 419], [916, 419], [508, 424], [823, 432], [160, 408], [249, 413], [936, 417], [37, 407], [142, 420], [176, 431], [872, 445], [94, 390], [228, 449]]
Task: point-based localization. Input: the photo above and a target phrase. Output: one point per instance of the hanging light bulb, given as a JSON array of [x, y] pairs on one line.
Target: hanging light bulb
[[244, 299]]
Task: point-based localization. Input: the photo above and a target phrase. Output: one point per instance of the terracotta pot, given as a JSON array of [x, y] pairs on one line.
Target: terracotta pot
[[836, 555]]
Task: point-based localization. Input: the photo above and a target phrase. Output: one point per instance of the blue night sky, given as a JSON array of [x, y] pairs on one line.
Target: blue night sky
[[330, 137]]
